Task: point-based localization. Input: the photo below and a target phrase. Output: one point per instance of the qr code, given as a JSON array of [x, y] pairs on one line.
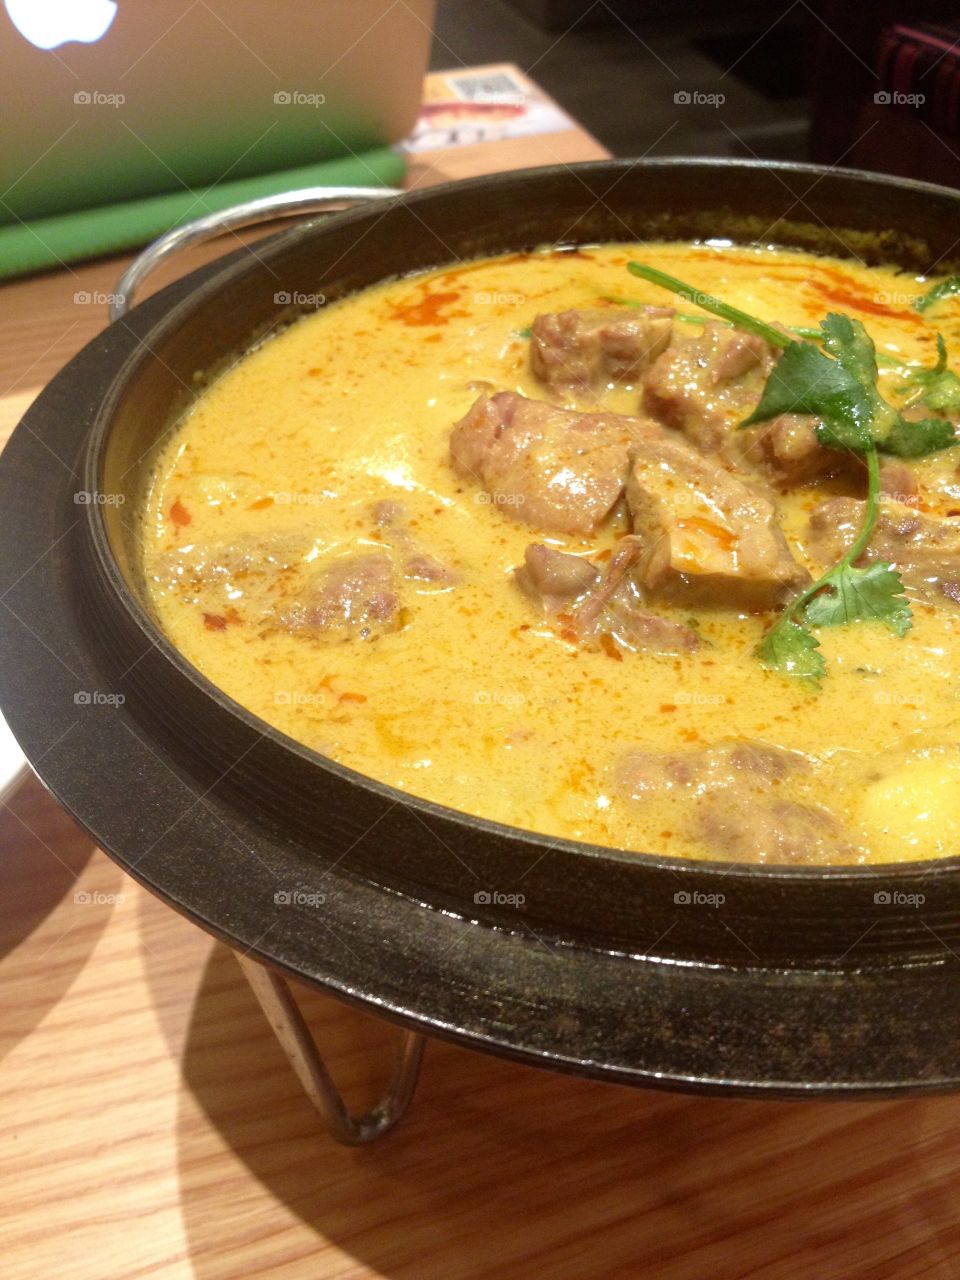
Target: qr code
[[497, 87]]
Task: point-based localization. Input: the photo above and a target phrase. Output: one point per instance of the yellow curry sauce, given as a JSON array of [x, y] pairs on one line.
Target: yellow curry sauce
[[478, 701]]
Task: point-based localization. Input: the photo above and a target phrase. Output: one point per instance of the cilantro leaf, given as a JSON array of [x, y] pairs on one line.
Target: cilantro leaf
[[871, 594], [939, 387], [914, 439], [792, 649], [945, 289], [839, 386], [804, 380], [842, 595]]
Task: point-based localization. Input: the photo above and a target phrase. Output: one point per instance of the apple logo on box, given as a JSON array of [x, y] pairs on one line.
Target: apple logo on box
[[49, 23]]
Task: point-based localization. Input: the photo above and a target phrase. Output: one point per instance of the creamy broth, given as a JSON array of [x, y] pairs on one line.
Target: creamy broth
[[477, 700]]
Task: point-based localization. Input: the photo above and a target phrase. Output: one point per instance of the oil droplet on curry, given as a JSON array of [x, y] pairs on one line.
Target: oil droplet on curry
[[492, 535]]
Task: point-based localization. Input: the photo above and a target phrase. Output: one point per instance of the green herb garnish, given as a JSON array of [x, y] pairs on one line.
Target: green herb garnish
[[844, 594], [837, 385], [939, 387], [740, 319], [945, 289]]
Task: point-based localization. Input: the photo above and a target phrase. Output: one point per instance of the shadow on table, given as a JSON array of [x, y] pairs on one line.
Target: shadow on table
[[44, 937], [501, 1170]]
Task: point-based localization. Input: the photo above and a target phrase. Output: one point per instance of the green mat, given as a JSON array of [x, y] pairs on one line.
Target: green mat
[[48, 243]]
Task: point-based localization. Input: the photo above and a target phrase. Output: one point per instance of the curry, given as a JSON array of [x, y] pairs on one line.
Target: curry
[[497, 535]]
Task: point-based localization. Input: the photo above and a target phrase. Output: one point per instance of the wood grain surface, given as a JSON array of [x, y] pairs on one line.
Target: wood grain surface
[[150, 1126]]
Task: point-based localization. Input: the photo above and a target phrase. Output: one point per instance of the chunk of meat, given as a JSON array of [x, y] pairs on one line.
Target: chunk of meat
[[733, 798], [426, 568], [351, 598], [707, 537], [788, 451], [554, 469], [586, 349], [616, 606], [771, 829], [391, 518], [925, 550], [705, 385], [553, 578], [898, 481], [594, 606], [728, 765]]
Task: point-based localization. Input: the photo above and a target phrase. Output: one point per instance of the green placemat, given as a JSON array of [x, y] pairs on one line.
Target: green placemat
[[48, 243]]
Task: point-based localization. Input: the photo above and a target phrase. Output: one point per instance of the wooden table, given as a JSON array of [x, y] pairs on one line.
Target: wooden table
[[150, 1125]]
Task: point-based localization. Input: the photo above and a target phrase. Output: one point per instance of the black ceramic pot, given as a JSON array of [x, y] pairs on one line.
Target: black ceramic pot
[[626, 967]]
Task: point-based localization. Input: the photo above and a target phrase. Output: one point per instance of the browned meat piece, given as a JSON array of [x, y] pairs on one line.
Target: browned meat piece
[[390, 516], [771, 829], [704, 386], [787, 450], [726, 766], [898, 480], [707, 537], [734, 801], [428, 569], [587, 349], [639, 629], [554, 578], [616, 606], [554, 469], [351, 598], [572, 585], [924, 550]]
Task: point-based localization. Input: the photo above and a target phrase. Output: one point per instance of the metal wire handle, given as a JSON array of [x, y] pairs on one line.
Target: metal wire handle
[[248, 214]]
